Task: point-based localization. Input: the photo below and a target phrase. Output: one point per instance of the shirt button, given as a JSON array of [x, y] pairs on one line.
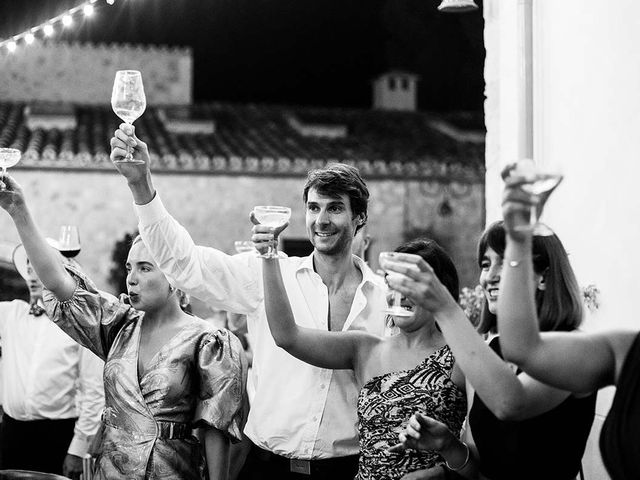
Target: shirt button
[[322, 387], [314, 418]]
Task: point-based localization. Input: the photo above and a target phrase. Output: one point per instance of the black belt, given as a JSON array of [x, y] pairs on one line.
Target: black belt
[[309, 467]]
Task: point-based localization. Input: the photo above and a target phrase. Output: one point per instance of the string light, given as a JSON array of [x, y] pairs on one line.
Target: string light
[[48, 28]]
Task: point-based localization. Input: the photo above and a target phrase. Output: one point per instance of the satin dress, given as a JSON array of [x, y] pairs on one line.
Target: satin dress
[[197, 379]]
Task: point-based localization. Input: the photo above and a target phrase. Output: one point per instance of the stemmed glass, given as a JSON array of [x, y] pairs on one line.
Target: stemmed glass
[[394, 304], [537, 182], [271, 216], [128, 101], [8, 158], [69, 241]]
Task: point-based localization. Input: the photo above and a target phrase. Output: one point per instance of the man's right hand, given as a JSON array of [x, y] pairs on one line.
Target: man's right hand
[[264, 236], [138, 175]]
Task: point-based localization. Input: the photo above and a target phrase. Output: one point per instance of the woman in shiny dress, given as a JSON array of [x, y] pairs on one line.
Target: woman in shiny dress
[[167, 374]]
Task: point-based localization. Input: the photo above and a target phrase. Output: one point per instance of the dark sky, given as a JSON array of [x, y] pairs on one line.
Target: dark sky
[[311, 52]]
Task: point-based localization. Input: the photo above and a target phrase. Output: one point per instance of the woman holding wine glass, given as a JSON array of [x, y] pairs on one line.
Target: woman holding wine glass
[[166, 372], [413, 370], [578, 362], [518, 427]]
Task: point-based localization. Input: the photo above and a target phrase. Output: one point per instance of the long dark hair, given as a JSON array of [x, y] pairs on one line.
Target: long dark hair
[[559, 306], [438, 259]]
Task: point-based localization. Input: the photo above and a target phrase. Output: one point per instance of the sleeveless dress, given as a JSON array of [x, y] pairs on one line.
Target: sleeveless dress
[[196, 379], [620, 436], [386, 403], [549, 446]]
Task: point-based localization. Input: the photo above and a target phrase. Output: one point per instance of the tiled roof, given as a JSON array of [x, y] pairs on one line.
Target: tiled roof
[[258, 139]]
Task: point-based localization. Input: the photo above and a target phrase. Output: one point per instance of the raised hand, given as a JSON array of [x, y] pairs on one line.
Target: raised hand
[[11, 195], [516, 209], [264, 236], [125, 136], [418, 282]]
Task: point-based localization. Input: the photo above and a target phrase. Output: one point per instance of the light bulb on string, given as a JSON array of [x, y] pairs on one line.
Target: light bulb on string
[[67, 20], [48, 30], [11, 46], [29, 38], [88, 10], [111, 2]]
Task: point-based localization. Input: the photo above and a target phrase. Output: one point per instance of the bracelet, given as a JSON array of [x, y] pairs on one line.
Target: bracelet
[[464, 464]]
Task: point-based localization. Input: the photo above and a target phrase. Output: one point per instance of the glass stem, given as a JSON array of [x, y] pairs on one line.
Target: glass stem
[[397, 299]]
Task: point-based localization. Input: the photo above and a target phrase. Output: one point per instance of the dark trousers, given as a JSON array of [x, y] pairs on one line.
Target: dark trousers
[[38, 445], [261, 464]]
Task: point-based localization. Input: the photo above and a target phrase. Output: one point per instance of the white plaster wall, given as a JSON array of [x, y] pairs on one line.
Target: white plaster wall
[[586, 121]]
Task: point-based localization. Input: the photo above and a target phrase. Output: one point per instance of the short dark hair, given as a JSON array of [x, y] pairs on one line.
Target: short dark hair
[[337, 179], [559, 306], [432, 253]]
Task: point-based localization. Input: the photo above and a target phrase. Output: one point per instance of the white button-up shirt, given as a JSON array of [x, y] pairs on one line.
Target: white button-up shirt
[[297, 410], [47, 375]]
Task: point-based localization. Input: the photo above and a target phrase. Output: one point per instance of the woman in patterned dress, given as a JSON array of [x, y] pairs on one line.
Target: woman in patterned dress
[[166, 372], [410, 371], [518, 427]]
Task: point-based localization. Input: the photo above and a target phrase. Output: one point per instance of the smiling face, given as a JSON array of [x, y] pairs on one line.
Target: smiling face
[[491, 265], [330, 222], [147, 286], [490, 274]]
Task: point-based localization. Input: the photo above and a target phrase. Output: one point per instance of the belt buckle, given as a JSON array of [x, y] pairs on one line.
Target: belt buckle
[[300, 466]]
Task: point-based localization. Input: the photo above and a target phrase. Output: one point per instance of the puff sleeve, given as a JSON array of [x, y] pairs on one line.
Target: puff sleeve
[[222, 400], [91, 317]]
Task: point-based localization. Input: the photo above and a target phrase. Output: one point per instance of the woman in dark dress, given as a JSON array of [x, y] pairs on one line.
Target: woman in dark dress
[[578, 362], [521, 428]]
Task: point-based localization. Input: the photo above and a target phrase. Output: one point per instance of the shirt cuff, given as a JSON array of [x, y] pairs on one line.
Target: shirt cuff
[[151, 212], [79, 446]]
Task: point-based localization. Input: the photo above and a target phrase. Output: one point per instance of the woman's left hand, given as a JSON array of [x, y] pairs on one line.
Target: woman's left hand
[[418, 281]]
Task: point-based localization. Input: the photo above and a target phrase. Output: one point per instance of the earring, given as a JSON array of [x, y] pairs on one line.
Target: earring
[[171, 289]]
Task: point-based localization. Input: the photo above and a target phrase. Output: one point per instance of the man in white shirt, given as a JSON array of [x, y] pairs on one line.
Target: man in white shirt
[[302, 420], [52, 390]]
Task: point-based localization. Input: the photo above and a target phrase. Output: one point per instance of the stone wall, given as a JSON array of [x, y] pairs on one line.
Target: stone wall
[[84, 73], [215, 209]]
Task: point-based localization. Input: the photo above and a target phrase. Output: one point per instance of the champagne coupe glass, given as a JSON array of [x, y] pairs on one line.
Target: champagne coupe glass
[[394, 304], [540, 182], [128, 102], [69, 241], [8, 158], [242, 246], [271, 216]]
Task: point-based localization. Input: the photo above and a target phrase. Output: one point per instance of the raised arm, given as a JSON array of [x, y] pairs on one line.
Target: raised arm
[[223, 281], [507, 395], [336, 350], [44, 259], [573, 361]]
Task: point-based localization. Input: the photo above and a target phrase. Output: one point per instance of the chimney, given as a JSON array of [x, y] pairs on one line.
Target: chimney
[[395, 90]]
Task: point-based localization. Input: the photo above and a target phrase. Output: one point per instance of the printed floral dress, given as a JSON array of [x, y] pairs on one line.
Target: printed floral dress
[[197, 379], [385, 405]]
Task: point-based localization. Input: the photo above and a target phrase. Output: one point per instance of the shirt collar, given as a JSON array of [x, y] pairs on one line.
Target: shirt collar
[[368, 275]]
